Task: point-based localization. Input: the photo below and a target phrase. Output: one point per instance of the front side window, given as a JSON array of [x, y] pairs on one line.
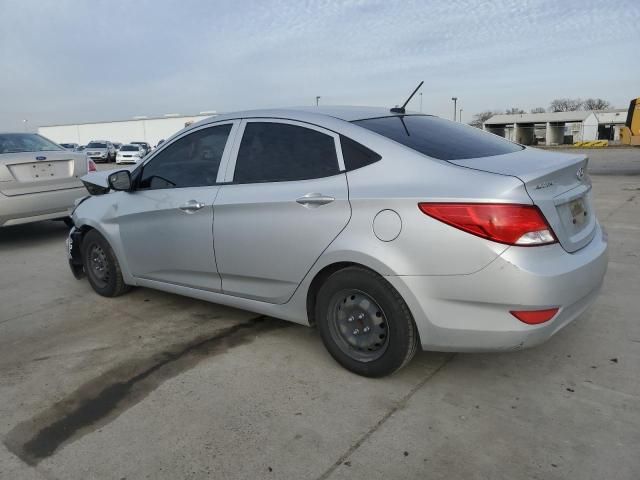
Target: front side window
[[25, 142], [191, 161], [279, 152], [438, 138]]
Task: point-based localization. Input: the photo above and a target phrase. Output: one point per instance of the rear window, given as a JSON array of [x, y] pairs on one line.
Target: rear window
[[438, 138], [97, 145], [25, 142], [130, 148]]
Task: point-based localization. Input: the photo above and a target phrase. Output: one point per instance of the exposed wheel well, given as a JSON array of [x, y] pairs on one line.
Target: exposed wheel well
[[317, 282]]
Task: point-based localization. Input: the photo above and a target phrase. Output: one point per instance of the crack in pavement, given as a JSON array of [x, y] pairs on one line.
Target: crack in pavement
[[400, 404], [101, 400]]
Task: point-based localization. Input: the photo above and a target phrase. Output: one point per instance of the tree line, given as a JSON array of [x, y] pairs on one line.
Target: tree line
[[557, 105]]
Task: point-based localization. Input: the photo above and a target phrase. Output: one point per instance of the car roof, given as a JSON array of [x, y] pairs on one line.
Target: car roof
[[345, 113]]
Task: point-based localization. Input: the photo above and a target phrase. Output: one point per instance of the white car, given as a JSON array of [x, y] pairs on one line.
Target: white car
[[129, 154]]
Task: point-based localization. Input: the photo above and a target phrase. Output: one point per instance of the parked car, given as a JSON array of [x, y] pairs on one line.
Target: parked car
[[388, 231], [101, 151], [39, 180], [70, 146], [145, 146], [129, 154]]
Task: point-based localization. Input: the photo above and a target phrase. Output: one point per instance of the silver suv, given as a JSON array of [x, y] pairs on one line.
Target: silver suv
[[101, 151]]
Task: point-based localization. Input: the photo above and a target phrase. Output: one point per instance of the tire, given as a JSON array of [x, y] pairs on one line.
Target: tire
[[101, 266], [364, 323]]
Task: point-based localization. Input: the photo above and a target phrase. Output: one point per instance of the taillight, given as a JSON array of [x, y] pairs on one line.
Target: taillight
[[534, 317], [512, 224], [91, 166]]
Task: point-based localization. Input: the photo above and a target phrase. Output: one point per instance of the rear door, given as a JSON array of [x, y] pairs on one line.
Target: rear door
[[37, 169], [287, 200]]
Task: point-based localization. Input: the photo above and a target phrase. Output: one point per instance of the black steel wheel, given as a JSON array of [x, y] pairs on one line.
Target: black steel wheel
[[101, 266], [364, 322]]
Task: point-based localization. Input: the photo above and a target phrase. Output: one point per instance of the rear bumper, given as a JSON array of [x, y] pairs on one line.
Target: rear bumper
[[34, 207], [471, 312]]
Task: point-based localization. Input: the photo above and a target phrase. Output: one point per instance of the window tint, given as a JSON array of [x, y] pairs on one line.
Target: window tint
[[356, 155], [277, 152], [191, 161], [439, 138]]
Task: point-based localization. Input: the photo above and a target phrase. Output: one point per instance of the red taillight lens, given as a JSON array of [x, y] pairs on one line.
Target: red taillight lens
[[505, 223], [91, 166], [534, 317]]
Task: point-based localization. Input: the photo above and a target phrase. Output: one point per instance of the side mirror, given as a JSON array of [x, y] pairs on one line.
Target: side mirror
[[120, 180]]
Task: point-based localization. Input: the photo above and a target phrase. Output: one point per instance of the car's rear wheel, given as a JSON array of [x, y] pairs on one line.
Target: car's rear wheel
[[101, 266], [364, 323]]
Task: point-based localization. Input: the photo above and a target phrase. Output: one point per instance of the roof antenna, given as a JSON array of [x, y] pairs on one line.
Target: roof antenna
[[401, 109]]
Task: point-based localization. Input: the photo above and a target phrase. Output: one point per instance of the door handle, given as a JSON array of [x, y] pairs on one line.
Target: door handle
[[314, 200], [191, 206]]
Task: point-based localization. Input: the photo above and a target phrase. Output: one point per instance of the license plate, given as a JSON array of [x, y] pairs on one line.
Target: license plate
[[576, 207], [42, 170]]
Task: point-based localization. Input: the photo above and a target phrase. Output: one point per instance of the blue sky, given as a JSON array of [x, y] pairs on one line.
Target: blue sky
[[77, 61]]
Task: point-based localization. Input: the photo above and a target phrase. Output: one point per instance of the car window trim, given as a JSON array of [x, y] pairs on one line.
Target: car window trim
[[137, 172], [231, 166]]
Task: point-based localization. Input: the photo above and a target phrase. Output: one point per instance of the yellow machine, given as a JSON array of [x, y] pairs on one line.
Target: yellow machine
[[630, 133]]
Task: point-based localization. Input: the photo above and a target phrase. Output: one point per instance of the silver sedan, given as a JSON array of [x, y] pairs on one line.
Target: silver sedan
[[39, 180], [386, 230]]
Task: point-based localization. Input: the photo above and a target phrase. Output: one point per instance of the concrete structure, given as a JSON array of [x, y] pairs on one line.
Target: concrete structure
[[138, 129], [610, 122], [554, 128]]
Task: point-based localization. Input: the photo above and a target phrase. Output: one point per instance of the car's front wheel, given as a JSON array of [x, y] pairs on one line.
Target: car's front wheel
[[364, 323], [101, 266]]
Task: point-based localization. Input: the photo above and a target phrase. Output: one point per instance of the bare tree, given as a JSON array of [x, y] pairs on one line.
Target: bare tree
[[565, 104], [538, 110], [480, 118], [596, 104], [514, 111]]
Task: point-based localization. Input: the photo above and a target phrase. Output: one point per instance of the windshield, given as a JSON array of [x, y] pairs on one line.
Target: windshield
[[97, 145], [438, 138], [129, 148], [25, 142]]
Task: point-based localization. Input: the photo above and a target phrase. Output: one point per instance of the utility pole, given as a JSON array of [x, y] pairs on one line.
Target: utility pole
[[460, 117], [455, 107], [317, 100], [420, 102]]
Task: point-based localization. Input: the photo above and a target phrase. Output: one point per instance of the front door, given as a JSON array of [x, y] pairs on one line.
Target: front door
[[166, 223], [288, 200]]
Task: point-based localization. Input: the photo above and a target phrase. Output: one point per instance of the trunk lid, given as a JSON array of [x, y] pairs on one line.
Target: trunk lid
[[33, 172], [557, 183]]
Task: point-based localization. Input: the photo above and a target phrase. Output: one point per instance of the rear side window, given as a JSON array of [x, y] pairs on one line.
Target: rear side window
[[279, 152], [356, 155], [438, 138], [191, 161]]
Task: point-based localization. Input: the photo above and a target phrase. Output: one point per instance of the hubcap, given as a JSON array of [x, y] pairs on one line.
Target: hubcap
[[358, 325], [98, 265]]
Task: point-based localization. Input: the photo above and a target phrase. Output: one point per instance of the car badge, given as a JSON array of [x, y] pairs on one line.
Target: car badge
[[41, 158], [580, 173]]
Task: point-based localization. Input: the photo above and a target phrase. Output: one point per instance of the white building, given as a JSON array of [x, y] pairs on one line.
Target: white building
[[554, 128], [138, 129]]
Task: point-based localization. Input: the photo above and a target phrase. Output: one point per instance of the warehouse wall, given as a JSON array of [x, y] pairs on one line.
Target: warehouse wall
[[149, 130]]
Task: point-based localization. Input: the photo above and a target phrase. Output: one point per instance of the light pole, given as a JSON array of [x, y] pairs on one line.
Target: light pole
[[24, 122], [317, 100], [460, 117], [420, 102], [455, 107]]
